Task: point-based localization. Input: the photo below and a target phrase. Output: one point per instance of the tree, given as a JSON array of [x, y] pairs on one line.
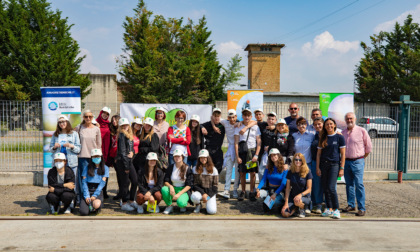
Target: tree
[[36, 50], [391, 67], [167, 61]]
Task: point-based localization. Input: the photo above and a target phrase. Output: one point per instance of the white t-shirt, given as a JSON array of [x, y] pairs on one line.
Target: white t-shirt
[[254, 131], [230, 131], [176, 178]]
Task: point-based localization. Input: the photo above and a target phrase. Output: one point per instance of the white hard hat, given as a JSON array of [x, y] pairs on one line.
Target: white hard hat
[[123, 121], [96, 152]]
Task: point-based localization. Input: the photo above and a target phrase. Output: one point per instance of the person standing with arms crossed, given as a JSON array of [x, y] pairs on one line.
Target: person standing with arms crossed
[[358, 147]]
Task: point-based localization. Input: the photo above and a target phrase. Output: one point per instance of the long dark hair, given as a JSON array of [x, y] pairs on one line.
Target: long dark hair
[[195, 132], [155, 171], [68, 129], [279, 164], [133, 129], [92, 167], [182, 169], [209, 166], [112, 128], [323, 137]]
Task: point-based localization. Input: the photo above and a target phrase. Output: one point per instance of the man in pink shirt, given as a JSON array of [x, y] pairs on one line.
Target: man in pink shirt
[[358, 147]]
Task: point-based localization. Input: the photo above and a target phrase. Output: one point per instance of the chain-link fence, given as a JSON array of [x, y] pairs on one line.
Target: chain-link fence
[[21, 138]]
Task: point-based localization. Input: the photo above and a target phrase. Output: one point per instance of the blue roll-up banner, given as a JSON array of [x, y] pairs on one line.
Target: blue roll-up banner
[[57, 101]]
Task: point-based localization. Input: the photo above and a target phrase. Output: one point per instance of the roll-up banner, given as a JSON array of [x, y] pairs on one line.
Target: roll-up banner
[[245, 99], [143, 110], [57, 101], [335, 106]]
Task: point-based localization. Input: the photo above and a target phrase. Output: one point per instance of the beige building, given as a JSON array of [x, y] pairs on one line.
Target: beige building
[[264, 66]]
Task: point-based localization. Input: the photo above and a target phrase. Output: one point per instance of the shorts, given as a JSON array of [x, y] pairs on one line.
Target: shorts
[[245, 157]]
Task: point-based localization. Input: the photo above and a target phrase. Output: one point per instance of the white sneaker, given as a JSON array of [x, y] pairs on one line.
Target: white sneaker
[[307, 211], [127, 207], [72, 205], [235, 194], [301, 213], [168, 210], [225, 194], [183, 209], [336, 214], [68, 211], [326, 213], [140, 209], [197, 208], [157, 209]]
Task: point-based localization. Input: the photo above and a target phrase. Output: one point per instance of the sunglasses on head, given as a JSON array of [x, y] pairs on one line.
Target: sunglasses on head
[[298, 160]]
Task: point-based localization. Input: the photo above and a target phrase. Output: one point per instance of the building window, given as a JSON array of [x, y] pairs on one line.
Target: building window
[[265, 49]]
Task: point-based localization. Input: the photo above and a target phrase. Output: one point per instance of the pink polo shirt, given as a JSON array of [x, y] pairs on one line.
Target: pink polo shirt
[[357, 142]]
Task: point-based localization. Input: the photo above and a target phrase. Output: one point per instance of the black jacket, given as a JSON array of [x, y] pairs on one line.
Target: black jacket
[[124, 147], [146, 145], [214, 140], [194, 147], [142, 181], [286, 146], [53, 182]]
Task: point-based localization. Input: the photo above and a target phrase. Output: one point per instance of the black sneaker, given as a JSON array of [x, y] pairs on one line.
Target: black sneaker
[[252, 196], [117, 197], [106, 196], [265, 208], [241, 196]]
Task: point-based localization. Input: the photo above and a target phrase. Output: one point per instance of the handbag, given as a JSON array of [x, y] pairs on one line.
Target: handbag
[[163, 162], [243, 146]]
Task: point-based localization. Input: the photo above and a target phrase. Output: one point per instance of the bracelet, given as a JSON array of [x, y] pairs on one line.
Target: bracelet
[[255, 155], [341, 168]]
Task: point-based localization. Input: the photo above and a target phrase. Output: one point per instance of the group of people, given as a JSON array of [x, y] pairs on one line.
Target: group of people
[[297, 164]]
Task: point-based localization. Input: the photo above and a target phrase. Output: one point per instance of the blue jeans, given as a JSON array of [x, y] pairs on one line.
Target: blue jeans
[[192, 163], [172, 162], [353, 174], [267, 191], [83, 164], [329, 175], [317, 192]]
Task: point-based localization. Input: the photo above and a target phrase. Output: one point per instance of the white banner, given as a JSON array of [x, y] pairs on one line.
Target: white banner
[[142, 110]]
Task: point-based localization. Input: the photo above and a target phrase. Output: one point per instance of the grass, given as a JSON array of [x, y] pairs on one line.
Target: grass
[[22, 147]]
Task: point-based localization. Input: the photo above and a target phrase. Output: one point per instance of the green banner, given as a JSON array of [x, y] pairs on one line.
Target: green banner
[[336, 105]]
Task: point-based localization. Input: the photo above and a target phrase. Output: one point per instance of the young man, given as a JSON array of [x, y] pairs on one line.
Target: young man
[[316, 112], [259, 115], [291, 120], [214, 140], [268, 137], [247, 148]]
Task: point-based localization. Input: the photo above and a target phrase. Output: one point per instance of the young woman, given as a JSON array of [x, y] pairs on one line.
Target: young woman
[[298, 187], [205, 183], [284, 141], [103, 123], [160, 126], [178, 182], [150, 182], [136, 127], [179, 137], [124, 165], [274, 179], [90, 138], [65, 140], [149, 142], [61, 182], [197, 140], [93, 180], [317, 193], [113, 147], [330, 161]]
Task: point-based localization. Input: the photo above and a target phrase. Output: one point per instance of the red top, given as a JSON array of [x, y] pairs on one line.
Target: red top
[[180, 140], [113, 147], [105, 135], [136, 143]]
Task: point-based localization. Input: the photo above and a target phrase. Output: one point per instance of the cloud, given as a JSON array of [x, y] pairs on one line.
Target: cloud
[[229, 49], [389, 25], [325, 42], [87, 66], [197, 14]]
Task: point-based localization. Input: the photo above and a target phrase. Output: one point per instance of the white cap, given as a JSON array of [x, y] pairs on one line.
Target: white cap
[[195, 117], [149, 121], [123, 121], [231, 112], [152, 156], [217, 110], [177, 152], [281, 120], [160, 108], [274, 151], [246, 110], [106, 109], [96, 152], [203, 153], [59, 155], [94, 121], [62, 117], [258, 110], [272, 114], [137, 121]]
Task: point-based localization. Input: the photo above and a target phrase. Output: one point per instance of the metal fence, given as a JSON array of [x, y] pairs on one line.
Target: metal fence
[[21, 140]]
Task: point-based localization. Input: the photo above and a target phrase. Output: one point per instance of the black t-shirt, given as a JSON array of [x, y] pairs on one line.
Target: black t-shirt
[[331, 152], [297, 183], [314, 146], [268, 137], [214, 140]]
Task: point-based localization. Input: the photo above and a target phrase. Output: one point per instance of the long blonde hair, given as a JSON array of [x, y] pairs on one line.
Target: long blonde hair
[[127, 133], [149, 135], [286, 129], [304, 169]]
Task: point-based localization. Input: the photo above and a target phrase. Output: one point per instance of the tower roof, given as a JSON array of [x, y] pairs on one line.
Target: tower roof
[[248, 47]]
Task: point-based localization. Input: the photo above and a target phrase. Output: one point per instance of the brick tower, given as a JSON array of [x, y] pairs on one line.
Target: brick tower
[[264, 66]]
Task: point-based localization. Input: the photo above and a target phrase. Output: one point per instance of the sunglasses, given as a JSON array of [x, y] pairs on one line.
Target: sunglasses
[[88, 117], [180, 118], [298, 160], [159, 113], [60, 122], [293, 108]]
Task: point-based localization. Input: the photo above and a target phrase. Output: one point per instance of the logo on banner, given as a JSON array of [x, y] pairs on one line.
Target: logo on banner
[[53, 106]]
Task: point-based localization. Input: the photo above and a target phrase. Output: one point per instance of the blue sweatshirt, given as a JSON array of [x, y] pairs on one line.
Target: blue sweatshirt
[[97, 179], [274, 178]]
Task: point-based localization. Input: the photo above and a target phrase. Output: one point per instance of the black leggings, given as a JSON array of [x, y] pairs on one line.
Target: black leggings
[[65, 197], [84, 207], [126, 179], [329, 175]]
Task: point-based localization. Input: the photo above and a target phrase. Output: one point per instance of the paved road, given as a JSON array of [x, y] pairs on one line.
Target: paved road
[[210, 234]]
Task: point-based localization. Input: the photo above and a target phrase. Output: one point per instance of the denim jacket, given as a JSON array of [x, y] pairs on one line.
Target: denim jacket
[[72, 138]]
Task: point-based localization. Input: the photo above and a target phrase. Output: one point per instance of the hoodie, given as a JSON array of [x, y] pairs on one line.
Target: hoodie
[[105, 135]]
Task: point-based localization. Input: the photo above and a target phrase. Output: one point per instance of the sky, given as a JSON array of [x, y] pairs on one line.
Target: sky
[[322, 38]]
